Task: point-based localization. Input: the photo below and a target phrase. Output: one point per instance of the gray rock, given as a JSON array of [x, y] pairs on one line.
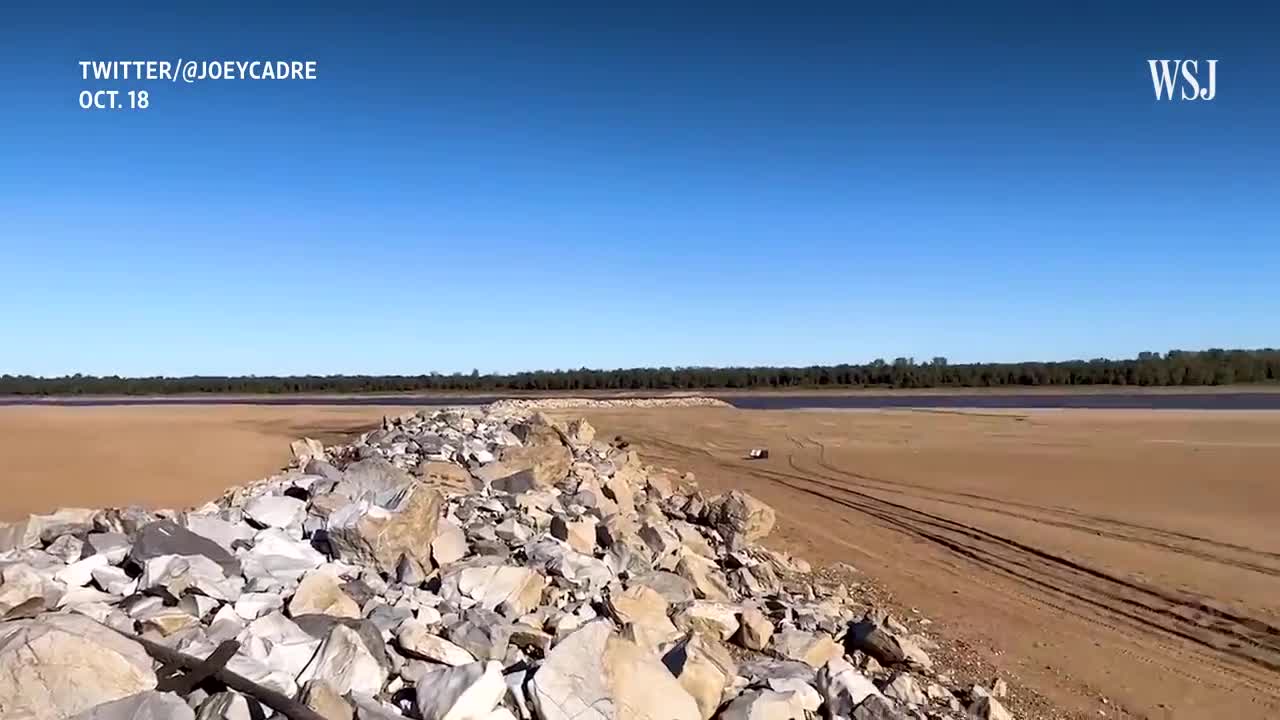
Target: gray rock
[[674, 588], [877, 707], [805, 694], [417, 641], [114, 546], [114, 580], [482, 633], [465, 692], [904, 688], [764, 705], [278, 559], [220, 531], [279, 643], [377, 481], [345, 663], [79, 573], [319, 467], [843, 688], [886, 646], [277, 511], [67, 548], [165, 537], [178, 573], [149, 705], [320, 626]]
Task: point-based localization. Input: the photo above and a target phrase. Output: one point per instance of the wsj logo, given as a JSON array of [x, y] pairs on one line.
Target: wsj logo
[[1166, 73]]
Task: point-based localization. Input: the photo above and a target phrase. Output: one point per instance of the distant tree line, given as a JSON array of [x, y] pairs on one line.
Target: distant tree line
[[1149, 369]]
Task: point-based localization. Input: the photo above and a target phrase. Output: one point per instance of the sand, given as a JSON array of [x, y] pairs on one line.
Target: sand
[[1131, 556], [155, 456]]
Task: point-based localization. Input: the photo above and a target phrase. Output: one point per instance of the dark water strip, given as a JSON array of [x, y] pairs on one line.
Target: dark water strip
[[859, 401]]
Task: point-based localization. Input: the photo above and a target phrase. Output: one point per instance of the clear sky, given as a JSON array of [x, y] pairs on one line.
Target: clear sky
[[527, 185]]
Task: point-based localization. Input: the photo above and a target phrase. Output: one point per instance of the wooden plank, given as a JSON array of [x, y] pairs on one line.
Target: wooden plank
[[187, 681]]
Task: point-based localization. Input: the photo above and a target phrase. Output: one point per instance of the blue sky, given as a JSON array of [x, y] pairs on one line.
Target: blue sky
[[526, 185]]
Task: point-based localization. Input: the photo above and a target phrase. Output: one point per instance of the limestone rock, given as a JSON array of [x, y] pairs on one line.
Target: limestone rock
[[812, 649], [60, 665], [754, 629], [539, 465], [707, 580], [512, 591], [372, 535], [595, 675], [704, 669], [320, 696], [579, 534], [579, 433], [449, 545], [739, 515], [644, 607], [25, 592], [447, 476], [417, 641], [716, 620], [306, 449], [320, 592]]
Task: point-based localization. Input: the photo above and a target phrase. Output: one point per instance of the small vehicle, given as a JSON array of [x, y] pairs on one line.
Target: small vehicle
[[758, 454]]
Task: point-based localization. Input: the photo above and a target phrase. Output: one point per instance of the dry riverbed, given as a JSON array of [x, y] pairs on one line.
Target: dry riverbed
[[1117, 561], [1122, 562]]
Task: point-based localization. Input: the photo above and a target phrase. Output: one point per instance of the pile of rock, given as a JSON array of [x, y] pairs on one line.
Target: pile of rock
[[567, 403], [457, 565]]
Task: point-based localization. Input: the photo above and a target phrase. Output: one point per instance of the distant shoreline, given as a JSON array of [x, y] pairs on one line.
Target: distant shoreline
[[285, 397], [1232, 398]]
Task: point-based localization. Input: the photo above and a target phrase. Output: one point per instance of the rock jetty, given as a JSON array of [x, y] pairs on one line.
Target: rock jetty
[[474, 564]]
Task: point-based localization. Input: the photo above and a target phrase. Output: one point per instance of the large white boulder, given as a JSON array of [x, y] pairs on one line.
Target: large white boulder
[[59, 665]]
